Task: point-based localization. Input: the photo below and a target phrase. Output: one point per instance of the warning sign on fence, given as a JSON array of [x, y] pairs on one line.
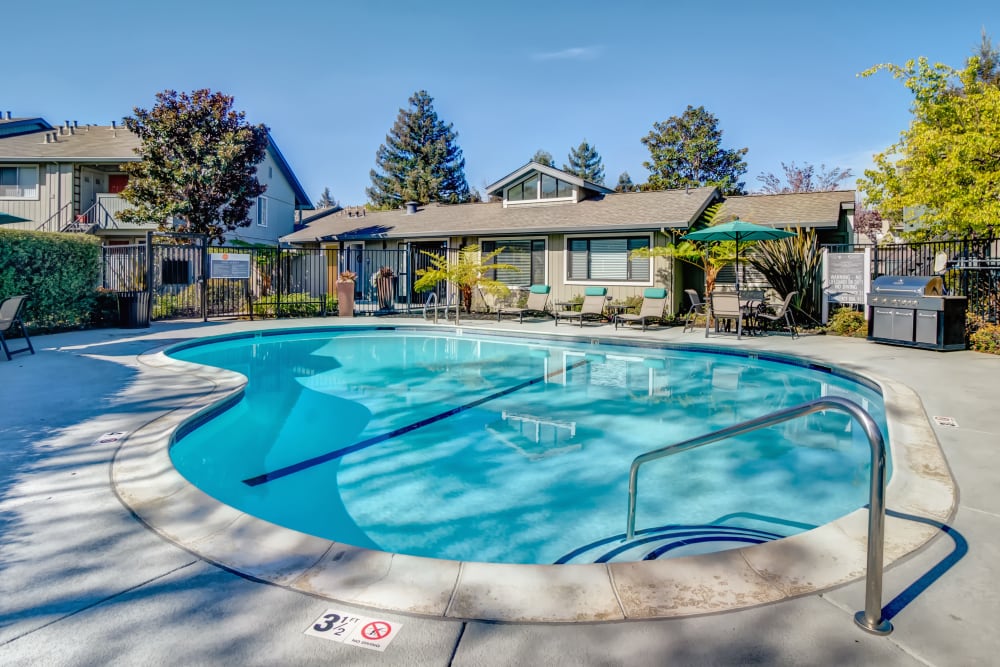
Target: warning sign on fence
[[229, 265]]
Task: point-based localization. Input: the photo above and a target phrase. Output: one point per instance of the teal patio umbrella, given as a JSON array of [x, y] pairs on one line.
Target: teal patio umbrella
[[737, 230], [6, 218]]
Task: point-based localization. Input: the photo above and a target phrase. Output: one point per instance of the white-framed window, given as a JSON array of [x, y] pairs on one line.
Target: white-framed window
[[262, 211], [19, 182], [539, 186], [607, 259], [528, 255]]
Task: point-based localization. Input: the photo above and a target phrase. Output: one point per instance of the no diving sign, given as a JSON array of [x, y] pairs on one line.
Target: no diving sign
[[356, 630]]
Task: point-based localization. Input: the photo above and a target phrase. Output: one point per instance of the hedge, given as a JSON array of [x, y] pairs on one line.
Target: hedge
[[59, 272]]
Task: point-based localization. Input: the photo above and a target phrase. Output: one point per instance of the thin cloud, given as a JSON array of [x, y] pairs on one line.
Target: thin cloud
[[574, 53]]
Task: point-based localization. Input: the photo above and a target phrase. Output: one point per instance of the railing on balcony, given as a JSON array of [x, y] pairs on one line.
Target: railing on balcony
[[104, 215]]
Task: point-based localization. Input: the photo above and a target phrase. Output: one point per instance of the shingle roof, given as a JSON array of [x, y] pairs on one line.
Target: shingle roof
[[613, 212], [87, 143], [801, 209], [96, 143]]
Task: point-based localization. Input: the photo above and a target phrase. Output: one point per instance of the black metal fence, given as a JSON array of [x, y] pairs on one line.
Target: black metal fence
[[968, 267], [282, 282]]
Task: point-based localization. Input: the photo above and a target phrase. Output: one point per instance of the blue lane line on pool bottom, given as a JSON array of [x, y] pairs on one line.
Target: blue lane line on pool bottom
[[344, 451]]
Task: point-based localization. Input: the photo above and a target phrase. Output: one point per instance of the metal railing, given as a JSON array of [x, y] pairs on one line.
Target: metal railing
[[870, 619]]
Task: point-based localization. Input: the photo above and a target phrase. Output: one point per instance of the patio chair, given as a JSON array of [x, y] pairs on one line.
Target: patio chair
[[10, 317], [725, 307], [538, 299], [654, 300], [593, 304], [782, 311], [697, 308]]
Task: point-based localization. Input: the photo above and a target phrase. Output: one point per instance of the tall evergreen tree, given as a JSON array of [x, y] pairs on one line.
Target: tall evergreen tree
[[625, 183], [419, 160], [585, 162], [687, 150], [326, 199], [543, 157]]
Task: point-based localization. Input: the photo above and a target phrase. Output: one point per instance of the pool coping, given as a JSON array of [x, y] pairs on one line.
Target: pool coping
[[820, 559]]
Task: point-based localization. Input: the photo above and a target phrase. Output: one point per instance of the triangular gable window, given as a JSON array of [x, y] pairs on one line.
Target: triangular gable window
[[539, 186]]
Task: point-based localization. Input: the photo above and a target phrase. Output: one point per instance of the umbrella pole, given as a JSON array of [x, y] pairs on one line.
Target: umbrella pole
[[739, 320]]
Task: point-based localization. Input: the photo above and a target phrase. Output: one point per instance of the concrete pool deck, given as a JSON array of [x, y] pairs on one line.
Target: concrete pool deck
[[85, 583]]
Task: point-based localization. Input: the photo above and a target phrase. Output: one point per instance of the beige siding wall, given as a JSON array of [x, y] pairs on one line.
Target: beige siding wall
[[55, 190]]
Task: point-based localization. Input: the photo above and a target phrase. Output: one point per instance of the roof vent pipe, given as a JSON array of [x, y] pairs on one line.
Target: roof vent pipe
[[8, 115], [411, 207], [75, 124], [113, 124]]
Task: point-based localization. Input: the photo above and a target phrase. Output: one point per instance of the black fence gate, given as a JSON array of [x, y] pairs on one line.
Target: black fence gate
[[184, 277], [968, 267]]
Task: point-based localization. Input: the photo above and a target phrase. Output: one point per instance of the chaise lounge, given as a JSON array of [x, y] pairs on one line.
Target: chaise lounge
[[10, 317], [593, 304], [538, 299], [654, 300]]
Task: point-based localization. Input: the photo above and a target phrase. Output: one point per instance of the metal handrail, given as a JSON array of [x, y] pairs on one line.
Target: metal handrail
[[871, 618]]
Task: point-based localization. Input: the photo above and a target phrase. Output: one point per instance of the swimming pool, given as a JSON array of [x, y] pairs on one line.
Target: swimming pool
[[515, 450]]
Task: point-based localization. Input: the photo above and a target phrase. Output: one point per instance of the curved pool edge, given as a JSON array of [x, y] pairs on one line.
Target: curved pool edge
[[820, 559]]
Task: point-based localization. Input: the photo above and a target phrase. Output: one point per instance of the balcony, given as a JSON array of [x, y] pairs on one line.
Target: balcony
[[104, 215]]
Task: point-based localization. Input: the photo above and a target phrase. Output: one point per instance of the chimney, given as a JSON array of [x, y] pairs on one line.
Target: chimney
[[75, 124], [114, 125], [61, 129], [8, 115], [411, 207]]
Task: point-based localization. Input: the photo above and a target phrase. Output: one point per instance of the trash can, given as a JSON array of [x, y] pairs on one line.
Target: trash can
[[133, 310]]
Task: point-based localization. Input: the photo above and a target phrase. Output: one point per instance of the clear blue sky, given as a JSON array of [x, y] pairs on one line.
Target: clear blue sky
[[329, 78]]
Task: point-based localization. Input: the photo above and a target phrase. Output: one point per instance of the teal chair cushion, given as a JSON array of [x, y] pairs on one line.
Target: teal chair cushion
[[654, 293], [595, 291], [540, 289]]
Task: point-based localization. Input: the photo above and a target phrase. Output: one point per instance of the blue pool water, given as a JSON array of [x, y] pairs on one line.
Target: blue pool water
[[517, 450]]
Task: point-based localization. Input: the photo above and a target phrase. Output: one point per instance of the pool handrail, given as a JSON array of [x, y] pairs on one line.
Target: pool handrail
[[870, 619]]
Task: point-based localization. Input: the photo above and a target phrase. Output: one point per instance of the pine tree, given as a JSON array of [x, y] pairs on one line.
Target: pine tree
[[419, 160], [625, 183], [543, 157], [326, 200], [687, 150], [585, 162]]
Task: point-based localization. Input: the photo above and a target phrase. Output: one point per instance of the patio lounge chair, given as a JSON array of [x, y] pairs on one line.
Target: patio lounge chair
[[697, 308], [593, 304], [538, 299], [10, 317], [782, 311], [654, 300], [725, 306]]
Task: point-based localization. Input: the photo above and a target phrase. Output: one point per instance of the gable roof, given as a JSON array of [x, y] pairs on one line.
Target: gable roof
[[84, 143], [102, 144], [498, 187], [797, 209], [616, 212]]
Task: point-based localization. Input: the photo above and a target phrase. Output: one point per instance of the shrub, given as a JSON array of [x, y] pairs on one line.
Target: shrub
[[983, 336], [297, 304], [58, 272], [848, 322]]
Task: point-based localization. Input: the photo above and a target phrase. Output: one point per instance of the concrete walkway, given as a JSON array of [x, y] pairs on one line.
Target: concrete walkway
[[82, 582]]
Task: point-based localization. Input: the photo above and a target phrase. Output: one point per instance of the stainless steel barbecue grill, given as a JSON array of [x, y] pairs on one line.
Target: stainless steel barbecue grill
[[913, 311]]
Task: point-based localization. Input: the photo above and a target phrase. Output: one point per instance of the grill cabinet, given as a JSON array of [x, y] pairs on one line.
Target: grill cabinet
[[913, 311]]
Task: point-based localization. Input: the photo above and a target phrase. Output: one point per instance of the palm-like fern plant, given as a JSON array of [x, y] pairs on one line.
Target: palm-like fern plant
[[470, 271], [709, 257]]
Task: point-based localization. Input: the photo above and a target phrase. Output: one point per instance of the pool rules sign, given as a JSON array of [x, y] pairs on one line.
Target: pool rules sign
[[360, 631]]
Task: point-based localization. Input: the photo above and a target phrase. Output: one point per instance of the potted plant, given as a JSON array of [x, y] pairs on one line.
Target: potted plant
[[345, 293], [385, 287]]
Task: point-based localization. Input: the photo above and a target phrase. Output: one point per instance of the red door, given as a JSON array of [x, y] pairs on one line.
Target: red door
[[117, 183]]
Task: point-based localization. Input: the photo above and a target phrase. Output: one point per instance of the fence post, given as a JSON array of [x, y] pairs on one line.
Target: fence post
[[149, 277]]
